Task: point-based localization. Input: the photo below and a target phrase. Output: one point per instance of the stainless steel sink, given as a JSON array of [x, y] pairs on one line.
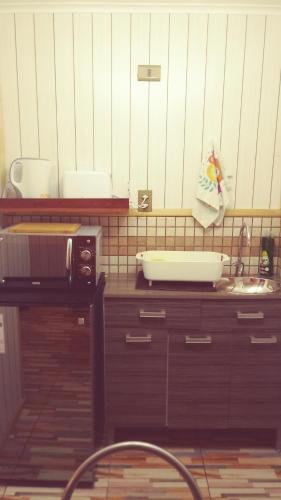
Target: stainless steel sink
[[247, 284]]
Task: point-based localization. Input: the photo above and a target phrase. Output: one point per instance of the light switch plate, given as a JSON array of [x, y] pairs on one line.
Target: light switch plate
[[149, 73]]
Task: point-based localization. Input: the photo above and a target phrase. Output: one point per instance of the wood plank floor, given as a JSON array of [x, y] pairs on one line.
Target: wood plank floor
[[233, 474]]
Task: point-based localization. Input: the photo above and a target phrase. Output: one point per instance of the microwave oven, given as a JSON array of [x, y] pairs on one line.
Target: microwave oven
[[37, 257]]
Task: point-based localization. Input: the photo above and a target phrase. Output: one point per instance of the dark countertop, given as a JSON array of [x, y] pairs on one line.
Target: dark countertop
[[124, 286], [116, 286], [54, 292]]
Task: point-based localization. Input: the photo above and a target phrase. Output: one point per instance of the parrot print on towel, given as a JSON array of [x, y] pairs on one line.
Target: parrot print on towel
[[214, 175]]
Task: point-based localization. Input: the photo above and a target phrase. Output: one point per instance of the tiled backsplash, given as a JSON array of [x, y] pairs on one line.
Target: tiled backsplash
[[124, 236]]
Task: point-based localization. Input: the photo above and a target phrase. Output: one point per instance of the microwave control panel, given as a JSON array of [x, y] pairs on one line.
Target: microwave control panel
[[85, 260]]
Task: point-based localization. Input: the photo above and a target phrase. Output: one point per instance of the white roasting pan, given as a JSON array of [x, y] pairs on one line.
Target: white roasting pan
[[165, 265]]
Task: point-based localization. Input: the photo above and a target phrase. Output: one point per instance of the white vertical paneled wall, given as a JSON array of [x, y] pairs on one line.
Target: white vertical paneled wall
[[214, 81], [139, 99], [268, 109], [83, 90], [232, 97], [176, 100], [9, 93], [69, 92], [158, 107], [102, 91], [46, 92], [65, 91], [120, 106], [250, 110], [194, 105], [27, 84]]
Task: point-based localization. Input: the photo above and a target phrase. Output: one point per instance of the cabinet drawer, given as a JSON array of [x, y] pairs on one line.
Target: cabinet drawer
[[138, 342], [256, 347], [243, 315], [152, 313]]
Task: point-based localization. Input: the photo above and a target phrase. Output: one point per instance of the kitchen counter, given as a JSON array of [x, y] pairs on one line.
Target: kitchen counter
[[183, 359], [54, 292], [124, 285]]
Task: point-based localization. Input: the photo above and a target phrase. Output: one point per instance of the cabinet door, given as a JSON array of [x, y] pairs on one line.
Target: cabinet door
[[135, 377], [198, 380], [54, 425], [11, 396], [256, 379]]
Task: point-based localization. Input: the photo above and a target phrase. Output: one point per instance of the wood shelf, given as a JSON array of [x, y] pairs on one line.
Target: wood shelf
[[64, 206], [106, 206]]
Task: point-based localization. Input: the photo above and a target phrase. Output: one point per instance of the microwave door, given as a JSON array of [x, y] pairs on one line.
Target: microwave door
[[34, 256]]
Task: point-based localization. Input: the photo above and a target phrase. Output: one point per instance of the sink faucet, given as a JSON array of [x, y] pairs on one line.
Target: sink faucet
[[244, 230]]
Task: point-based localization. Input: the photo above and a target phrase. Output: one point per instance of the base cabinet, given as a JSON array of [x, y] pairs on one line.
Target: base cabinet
[[198, 380], [192, 364]]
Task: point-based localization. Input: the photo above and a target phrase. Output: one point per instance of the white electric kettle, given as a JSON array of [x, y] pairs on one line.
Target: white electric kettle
[[31, 177]]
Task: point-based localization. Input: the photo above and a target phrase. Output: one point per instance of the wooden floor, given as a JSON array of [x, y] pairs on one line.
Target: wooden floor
[[237, 474]]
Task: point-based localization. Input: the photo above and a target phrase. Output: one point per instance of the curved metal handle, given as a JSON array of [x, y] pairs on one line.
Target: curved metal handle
[[147, 339], [68, 258], [152, 314], [132, 445], [207, 339], [250, 315], [263, 340]]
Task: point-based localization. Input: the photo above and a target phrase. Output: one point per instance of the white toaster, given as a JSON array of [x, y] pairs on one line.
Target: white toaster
[[86, 184]]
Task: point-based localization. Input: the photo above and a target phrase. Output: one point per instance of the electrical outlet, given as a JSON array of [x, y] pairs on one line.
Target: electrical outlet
[[144, 200]]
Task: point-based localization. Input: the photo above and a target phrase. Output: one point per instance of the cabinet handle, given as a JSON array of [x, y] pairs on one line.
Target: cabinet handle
[[152, 314], [263, 340], [198, 340], [253, 315], [138, 340]]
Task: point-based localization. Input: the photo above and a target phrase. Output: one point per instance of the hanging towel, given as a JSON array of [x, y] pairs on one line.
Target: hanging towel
[[211, 197]]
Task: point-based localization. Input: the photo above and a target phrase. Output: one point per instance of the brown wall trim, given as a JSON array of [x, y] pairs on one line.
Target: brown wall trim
[[178, 212]]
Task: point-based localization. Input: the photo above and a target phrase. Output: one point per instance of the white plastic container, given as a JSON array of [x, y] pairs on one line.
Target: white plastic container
[[182, 266]]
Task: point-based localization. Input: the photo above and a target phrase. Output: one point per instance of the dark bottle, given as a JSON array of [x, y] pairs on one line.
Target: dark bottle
[[266, 259]]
